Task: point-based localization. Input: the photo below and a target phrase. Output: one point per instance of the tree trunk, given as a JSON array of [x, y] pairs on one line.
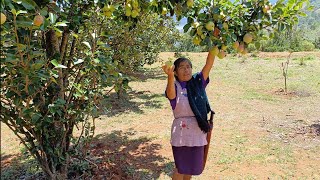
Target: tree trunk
[[57, 171], [56, 168], [52, 44]]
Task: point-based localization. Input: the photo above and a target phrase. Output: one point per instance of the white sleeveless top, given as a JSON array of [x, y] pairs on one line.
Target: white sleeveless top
[[185, 130]]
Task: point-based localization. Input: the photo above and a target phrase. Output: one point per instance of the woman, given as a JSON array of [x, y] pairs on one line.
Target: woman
[[188, 100]]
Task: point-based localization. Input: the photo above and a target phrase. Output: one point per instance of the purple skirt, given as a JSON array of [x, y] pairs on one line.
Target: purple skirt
[[188, 160]]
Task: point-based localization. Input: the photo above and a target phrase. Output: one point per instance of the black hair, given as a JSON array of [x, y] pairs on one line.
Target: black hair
[[177, 63]]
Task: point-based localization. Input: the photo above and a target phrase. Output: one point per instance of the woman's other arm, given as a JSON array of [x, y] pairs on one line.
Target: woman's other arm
[[170, 91]]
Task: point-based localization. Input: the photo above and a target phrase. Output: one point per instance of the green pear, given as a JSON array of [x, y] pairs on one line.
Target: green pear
[[214, 50], [247, 38], [190, 3], [210, 26]]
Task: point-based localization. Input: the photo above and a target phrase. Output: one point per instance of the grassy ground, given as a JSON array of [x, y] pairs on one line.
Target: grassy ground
[[260, 132]]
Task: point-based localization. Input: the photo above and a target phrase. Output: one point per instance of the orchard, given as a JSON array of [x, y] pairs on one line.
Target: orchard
[[57, 58]]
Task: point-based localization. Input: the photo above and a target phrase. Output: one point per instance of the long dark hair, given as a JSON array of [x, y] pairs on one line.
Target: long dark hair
[[177, 63]]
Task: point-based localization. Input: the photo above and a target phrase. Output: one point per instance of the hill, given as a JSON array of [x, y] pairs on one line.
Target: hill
[[311, 23]]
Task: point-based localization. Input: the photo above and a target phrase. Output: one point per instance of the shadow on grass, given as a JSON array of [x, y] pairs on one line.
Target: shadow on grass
[[122, 157], [5, 158], [315, 128], [111, 156], [20, 166], [142, 75], [312, 131], [133, 101]]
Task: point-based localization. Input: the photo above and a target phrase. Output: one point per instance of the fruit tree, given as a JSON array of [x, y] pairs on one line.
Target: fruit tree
[[57, 58]]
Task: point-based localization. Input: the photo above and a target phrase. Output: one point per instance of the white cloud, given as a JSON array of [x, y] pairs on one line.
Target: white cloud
[[182, 22]]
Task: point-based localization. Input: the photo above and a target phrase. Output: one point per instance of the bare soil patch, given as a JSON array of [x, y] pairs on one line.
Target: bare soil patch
[[286, 54]]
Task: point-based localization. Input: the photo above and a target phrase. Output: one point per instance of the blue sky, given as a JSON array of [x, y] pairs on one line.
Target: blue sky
[[182, 22]]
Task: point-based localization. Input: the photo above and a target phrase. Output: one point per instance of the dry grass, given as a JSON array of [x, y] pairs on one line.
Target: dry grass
[[259, 133]]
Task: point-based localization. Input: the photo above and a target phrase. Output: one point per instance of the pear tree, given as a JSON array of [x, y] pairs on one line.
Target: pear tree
[[58, 58], [238, 23]]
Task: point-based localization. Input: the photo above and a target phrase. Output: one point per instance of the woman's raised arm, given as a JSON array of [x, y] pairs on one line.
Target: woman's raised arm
[[207, 67]]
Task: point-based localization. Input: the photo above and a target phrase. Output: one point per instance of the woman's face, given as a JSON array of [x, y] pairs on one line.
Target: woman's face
[[184, 71]]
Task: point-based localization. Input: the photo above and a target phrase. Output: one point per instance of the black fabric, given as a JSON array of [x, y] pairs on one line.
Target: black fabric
[[199, 102]]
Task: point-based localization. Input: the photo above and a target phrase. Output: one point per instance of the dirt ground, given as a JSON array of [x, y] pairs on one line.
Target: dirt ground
[[260, 132]]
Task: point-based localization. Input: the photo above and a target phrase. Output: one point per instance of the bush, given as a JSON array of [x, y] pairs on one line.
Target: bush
[[307, 46], [184, 44], [288, 41], [251, 48], [317, 43], [275, 48]]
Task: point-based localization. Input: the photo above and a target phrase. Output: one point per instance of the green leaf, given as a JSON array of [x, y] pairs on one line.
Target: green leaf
[[53, 80], [193, 32], [45, 24], [280, 27], [186, 27], [60, 102], [43, 76], [202, 16], [94, 35], [64, 23], [78, 61], [26, 111], [11, 58], [257, 45], [9, 94], [170, 5], [21, 12], [35, 117], [208, 41], [216, 10], [96, 60], [53, 18], [296, 8], [290, 3], [55, 62], [14, 12], [74, 35], [288, 27], [271, 35], [190, 20], [44, 11], [29, 4], [260, 15], [58, 30], [57, 65], [61, 66], [310, 8], [104, 45], [36, 66], [87, 44], [302, 14], [248, 4], [21, 47], [234, 37], [8, 3], [24, 23]]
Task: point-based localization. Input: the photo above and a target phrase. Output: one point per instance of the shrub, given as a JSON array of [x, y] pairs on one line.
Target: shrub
[[317, 43], [251, 48], [276, 48], [307, 46]]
